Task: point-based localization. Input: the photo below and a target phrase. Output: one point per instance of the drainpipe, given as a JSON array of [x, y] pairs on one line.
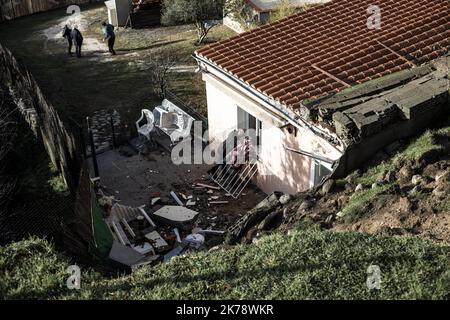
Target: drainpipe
[[291, 117], [311, 155]]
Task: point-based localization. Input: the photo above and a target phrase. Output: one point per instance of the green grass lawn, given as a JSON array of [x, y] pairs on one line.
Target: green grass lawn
[[78, 87], [307, 264]]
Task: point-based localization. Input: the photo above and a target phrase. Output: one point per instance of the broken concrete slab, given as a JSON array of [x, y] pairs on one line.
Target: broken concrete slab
[[176, 216]]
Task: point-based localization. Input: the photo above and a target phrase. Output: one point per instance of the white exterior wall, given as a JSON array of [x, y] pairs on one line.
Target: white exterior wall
[[279, 169]]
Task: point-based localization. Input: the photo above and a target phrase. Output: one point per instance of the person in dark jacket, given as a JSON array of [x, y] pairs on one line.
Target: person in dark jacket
[[77, 38], [67, 33], [108, 32]]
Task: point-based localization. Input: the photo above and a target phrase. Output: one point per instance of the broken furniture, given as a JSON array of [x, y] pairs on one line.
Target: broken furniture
[[147, 128], [176, 216], [172, 121], [121, 220]]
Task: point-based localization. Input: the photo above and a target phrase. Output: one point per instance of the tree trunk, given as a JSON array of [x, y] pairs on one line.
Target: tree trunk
[[202, 31]]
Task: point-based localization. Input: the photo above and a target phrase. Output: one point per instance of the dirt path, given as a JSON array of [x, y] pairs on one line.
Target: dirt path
[[53, 42], [54, 35]]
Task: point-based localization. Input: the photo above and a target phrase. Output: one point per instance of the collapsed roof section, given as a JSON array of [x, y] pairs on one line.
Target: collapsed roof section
[[367, 109], [330, 47]]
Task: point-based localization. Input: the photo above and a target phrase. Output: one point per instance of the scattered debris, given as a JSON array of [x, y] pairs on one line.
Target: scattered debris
[[175, 197], [219, 202], [144, 248], [285, 198], [215, 232], [191, 203], [157, 241], [177, 234], [207, 186], [155, 201], [147, 217], [196, 239]]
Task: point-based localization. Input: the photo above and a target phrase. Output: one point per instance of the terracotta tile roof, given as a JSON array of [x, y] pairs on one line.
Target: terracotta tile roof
[[329, 47]]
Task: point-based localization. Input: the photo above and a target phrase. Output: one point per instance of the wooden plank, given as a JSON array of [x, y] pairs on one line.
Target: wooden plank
[[207, 186]]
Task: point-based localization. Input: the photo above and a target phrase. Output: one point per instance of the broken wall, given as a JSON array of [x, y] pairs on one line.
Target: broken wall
[[395, 114]]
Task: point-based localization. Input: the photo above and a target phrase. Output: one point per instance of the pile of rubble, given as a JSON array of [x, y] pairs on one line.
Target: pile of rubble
[[153, 234], [150, 238]]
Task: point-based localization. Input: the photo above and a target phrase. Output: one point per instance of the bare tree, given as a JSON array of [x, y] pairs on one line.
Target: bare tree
[[160, 66]]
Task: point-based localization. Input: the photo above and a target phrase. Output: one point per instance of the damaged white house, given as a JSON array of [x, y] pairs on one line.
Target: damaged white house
[[324, 91]]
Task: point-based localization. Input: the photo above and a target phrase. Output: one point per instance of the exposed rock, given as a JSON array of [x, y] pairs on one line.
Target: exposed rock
[[351, 178], [405, 172], [441, 191], [414, 191], [328, 186], [329, 219], [442, 176], [417, 179], [359, 187], [390, 176], [268, 203], [285, 214], [376, 185], [404, 204], [305, 205], [285, 198], [341, 201]]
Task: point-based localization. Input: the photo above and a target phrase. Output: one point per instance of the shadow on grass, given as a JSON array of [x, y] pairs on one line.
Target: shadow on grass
[[153, 46]]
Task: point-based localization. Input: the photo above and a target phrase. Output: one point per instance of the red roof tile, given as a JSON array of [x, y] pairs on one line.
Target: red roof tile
[[317, 51]]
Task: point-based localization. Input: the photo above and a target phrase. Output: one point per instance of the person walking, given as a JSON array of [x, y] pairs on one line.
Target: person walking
[[108, 31], [77, 38], [67, 33]]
